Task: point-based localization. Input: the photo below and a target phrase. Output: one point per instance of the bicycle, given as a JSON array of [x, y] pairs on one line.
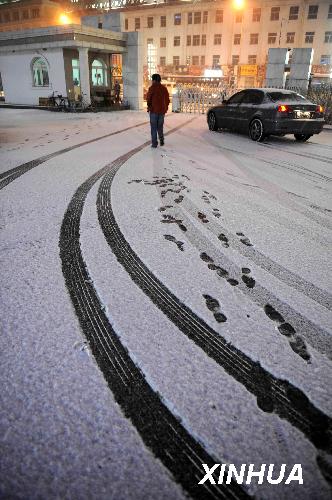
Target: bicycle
[[58, 102], [82, 105]]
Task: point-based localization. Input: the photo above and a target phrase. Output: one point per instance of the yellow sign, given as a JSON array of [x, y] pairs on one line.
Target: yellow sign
[[248, 69]]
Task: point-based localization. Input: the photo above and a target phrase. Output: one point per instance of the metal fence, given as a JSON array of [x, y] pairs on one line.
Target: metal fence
[[198, 98]]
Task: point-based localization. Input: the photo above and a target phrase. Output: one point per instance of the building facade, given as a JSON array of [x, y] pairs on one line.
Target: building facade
[[188, 38]]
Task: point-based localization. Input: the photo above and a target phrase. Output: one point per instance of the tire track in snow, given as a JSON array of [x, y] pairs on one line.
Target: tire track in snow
[[161, 432], [12, 174], [272, 394]]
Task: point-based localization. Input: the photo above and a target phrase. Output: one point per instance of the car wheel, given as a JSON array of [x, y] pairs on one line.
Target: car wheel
[[256, 130], [302, 137], [212, 122]]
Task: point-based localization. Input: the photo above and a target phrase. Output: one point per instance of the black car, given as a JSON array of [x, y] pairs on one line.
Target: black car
[[264, 112]]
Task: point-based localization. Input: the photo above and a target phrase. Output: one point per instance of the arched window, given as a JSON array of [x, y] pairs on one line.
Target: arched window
[[40, 73], [99, 73]]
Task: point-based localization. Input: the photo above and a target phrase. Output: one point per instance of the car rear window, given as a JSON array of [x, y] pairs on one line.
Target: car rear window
[[283, 96]]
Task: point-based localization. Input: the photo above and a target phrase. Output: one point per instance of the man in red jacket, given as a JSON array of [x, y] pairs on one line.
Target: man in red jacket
[[158, 101]]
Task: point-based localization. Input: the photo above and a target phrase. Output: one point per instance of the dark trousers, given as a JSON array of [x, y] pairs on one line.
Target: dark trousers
[[157, 126]]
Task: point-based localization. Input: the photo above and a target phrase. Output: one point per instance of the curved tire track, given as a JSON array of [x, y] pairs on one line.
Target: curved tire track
[[12, 174], [160, 430], [272, 394]]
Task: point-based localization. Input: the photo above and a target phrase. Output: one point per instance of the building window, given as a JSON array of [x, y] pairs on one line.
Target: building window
[[75, 64], [150, 22], [25, 14], [329, 15], [197, 17], [205, 17], [196, 40], [6, 17], [163, 42], [35, 13], [137, 23], [256, 15], [217, 39], [237, 39], [0, 18], [293, 13], [163, 21], [195, 60], [99, 73], [162, 61], [309, 37], [176, 61], [325, 59], [39, 70], [312, 11], [16, 15], [176, 41], [215, 61], [254, 38], [149, 41], [219, 16], [177, 19], [126, 24], [188, 40], [252, 59], [328, 37], [190, 17], [202, 60], [203, 42], [235, 60], [271, 38], [290, 37], [275, 11], [238, 17]]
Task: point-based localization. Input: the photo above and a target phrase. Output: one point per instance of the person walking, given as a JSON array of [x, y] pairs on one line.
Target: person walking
[[157, 101]]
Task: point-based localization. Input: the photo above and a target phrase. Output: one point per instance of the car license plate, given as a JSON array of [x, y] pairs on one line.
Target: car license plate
[[302, 114]]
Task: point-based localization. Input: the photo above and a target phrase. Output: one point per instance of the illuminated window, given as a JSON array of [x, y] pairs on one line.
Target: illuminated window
[[176, 41], [163, 21], [163, 42], [75, 63], [275, 11], [203, 42], [39, 73], [99, 73], [217, 39]]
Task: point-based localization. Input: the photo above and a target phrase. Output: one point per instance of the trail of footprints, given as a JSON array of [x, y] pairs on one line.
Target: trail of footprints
[[296, 342]]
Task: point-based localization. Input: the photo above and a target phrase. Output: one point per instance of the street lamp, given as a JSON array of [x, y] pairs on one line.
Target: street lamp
[[238, 4], [64, 19]]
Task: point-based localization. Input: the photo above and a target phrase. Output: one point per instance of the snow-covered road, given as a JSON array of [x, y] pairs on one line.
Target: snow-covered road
[[162, 308]]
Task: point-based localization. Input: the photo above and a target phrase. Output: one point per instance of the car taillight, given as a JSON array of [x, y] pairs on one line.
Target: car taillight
[[283, 108], [319, 109]]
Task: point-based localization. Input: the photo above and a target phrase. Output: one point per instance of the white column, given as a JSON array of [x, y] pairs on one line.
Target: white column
[[132, 71], [84, 73], [275, 71], [300, 68]]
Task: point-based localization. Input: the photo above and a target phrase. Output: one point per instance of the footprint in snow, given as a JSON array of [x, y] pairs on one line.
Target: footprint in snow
[[244, 239], [178, 243], [213, 305]]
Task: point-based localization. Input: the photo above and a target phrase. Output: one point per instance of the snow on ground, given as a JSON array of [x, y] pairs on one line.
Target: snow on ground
[[62, 433]]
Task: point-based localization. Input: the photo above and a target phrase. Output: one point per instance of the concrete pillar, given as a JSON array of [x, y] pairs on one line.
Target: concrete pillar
[[300, 68], [132, 71], [84, 73], [275, 71]]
